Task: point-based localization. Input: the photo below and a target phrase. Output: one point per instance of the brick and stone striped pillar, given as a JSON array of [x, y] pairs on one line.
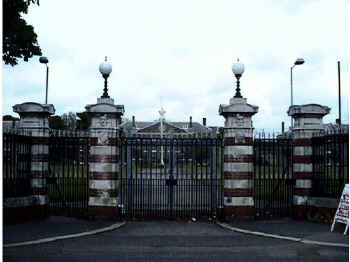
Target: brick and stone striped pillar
[[34, 122], [307, 121], [104, 159], [238, 158]]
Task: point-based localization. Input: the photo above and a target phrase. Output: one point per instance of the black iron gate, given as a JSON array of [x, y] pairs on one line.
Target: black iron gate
[[273, 177], [68, 180], [16, 164], [171, 177], [330, 163]]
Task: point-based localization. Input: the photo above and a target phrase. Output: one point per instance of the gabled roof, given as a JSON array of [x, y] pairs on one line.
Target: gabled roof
[[155, 127], [196, 127]]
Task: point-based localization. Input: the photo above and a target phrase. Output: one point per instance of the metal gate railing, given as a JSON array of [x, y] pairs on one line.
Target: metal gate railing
[[16, 164], [273, 176], [171, 177], [68, 180], [330, 163]]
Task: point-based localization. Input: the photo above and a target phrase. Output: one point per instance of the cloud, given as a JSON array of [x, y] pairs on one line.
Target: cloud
[[183, 51]]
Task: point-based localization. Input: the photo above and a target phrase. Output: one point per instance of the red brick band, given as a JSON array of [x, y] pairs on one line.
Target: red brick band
[[231, 141], [104, 175], [303, 142], [40, 174], [238, 192], [238, 159], [238, 175], [241, 212], [302, 159], [98, 192], [39, 190], [111, 142], [302, 191], [300, 211], [40, 140], [103, 159], [103, 212], [40, 158], [303, 175]]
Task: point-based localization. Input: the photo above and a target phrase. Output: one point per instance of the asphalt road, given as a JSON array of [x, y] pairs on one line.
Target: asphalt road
[[174, 241]]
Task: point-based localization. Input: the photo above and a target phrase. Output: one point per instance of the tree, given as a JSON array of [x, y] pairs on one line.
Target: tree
[[9, 118], [56, 122], [19, 38], [85, 121]]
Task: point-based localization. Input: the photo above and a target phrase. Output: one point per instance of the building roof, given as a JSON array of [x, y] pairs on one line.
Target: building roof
[[183, 126]]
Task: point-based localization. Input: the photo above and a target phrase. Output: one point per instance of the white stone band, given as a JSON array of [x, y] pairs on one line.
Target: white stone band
[[40, 149], [297, 167], [238, 167], [25, 201], [300, 200], [104, 150], [39, 166], [104, 184], [303, 151], [239, 201], [233, 132], [303, 183], [38, 182], [238, 150], [103, 201], [239, 183], [104, 167]]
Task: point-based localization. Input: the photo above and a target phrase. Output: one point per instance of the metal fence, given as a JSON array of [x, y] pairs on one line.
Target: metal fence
[[16, 156], [171, 177], [330, 163], [68, 180], [273, 176]]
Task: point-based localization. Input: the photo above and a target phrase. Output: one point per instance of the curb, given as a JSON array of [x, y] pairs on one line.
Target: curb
[[52, 239], [300, 240]]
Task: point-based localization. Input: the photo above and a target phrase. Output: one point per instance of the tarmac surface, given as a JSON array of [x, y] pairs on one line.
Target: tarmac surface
[[297, 228], [173, 241]]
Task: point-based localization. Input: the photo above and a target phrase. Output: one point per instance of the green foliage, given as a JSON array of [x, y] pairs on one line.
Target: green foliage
[[56, 122], [19, 38], [9, 118], [84, 122]]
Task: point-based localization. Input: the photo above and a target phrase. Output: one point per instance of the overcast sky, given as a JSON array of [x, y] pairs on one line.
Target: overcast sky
[[179, 54]]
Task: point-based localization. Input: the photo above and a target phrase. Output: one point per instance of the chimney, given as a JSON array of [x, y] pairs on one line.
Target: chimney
[[282, 128], [204, 121], [190, 126], [133, 122]]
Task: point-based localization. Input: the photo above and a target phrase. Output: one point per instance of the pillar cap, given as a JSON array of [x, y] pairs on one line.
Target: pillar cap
[[308, 111], [238, 106], [32, 107], [105, 108]]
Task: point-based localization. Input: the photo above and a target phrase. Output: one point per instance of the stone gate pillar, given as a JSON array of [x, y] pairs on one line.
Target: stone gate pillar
[[307, 120], [34, 122], [238, 158], [104, 159]]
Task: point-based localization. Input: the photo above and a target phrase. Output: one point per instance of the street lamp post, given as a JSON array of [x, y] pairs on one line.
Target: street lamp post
[[105, 69], [45, 61], [238, 69], [299, 61]]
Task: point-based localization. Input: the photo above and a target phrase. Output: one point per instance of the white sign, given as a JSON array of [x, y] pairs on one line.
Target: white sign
[[342, 214]]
